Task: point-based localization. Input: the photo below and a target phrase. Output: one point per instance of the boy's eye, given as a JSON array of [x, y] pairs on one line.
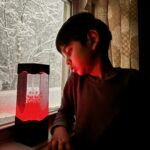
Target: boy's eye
[[69, 51]]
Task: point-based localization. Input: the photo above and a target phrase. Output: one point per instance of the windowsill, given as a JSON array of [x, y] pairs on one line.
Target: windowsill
[[7, 141], [14, 145], [8, 98], [11, 144], [9, 120]]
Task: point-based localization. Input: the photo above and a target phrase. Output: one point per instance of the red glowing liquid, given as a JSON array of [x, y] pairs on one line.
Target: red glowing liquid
[[32, 109], [31, 121]]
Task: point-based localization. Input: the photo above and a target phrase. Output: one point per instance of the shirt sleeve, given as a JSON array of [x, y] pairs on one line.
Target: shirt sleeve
[[65, 114]]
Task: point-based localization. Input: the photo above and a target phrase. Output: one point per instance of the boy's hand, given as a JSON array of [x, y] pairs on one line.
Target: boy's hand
[[60, 139]]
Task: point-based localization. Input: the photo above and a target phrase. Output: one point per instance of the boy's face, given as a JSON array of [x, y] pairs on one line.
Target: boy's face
[[78, 57]]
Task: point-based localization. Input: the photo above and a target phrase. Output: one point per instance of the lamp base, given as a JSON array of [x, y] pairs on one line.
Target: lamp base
[[31, 133]]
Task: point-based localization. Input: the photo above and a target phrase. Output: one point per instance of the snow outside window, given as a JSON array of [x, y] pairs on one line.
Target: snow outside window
[[28, 30]]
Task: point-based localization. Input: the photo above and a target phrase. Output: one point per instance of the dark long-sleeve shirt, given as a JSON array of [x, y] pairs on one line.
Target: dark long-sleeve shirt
[[101, 112]]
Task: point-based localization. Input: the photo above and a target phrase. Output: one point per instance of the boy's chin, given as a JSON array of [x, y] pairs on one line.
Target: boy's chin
[[80, 73]]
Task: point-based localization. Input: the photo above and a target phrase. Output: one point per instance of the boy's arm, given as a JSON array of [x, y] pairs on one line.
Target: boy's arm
[[63, 122], [65, 114]]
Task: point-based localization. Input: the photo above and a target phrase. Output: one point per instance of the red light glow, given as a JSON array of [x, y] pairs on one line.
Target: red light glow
[[32, 110]]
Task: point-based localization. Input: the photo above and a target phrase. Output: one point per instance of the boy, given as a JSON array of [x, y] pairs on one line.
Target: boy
[[99, 107]]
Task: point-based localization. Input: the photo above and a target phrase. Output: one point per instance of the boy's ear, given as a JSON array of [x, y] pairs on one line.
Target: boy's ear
[[93, 38]]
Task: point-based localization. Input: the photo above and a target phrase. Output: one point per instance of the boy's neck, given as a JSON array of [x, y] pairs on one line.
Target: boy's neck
[[103, 69]]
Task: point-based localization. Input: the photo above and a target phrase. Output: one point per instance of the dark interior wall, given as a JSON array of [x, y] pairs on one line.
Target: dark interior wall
[[144, 37]]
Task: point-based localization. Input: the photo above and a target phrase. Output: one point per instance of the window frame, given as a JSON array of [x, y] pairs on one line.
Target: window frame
[[9, 122]]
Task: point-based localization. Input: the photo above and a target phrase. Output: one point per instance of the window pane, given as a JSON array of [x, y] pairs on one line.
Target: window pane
[[27, 35]]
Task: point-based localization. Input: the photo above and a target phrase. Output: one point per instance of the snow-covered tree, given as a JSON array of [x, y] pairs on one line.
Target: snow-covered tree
[[27, 34]]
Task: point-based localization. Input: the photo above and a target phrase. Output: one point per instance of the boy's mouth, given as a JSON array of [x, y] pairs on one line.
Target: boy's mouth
[[73, 69]]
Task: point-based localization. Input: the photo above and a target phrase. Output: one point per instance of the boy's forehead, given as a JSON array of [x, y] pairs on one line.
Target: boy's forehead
[[62, 48]]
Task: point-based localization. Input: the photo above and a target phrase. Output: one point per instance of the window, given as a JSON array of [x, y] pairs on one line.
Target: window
[[27, 35]]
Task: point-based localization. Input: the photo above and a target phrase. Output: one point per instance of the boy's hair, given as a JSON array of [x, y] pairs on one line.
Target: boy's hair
[[77, 27]]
